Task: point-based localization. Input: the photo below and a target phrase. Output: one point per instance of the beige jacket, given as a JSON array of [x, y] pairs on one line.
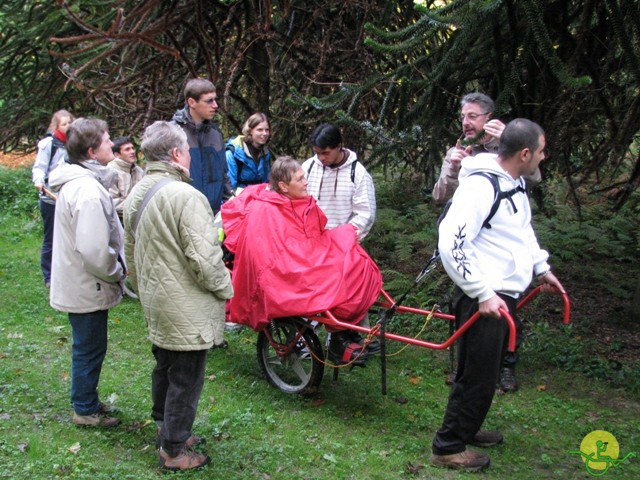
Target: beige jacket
[[448, 181], [175, 262], [128, 175], [87, 262]]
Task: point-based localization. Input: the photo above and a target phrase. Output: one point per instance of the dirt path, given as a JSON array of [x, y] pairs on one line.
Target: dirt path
[[15, 160]]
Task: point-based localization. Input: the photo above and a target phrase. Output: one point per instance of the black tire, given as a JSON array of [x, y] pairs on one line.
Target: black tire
[[298, 371]]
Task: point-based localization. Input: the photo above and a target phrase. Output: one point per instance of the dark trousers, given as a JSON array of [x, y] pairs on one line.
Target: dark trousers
[[87, 355], [176, 385], [480, 354], [48, 212]]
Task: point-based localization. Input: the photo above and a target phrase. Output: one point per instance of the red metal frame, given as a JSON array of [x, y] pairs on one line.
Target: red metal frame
[[329, 320]]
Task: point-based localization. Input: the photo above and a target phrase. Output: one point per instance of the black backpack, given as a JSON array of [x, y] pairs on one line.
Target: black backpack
[[353, 170], [497, 198], [55, 145]]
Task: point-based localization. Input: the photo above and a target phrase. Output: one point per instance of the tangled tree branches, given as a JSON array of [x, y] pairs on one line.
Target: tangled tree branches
[[127, 60], [391, 76], [31, 86], [571, 66]]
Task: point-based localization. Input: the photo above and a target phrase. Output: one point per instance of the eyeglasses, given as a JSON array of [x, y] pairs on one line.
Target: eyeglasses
[[209, 101], [472, 116]]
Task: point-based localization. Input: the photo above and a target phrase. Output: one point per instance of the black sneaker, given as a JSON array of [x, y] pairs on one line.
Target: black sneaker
[[508, 380], [342, 349], [373, 347]]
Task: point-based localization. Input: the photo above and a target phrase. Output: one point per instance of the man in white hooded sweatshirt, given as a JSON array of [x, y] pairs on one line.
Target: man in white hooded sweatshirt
[[491, 266]]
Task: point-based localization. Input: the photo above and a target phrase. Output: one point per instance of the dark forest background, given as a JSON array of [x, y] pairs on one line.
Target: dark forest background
[[390, 73]]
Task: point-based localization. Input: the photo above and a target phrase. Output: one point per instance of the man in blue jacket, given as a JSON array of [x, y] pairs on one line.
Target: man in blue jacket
[[206, 146]]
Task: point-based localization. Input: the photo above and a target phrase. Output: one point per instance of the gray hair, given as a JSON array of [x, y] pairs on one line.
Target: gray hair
[[282, 170], [159, 139], [481, 99]]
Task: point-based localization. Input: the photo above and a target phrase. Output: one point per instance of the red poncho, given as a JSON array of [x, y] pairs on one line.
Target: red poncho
[[287, 264]]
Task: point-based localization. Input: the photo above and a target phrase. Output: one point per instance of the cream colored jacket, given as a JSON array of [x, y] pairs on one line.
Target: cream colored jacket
[[176, 262], [128, 175], [87, 263]]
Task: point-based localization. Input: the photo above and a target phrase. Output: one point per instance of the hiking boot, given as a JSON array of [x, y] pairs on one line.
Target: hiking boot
[[185, 460], [468, 460], [342, 349], [191, 442], [105, 409], [508, 380], [486, 438], [95, 420]]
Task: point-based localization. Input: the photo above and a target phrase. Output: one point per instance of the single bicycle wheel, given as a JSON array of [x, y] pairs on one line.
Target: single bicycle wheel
[[290, 362]]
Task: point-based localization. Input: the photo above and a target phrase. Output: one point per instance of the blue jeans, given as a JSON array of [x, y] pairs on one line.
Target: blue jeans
[[176, 385], [48, 212], [87, 354]]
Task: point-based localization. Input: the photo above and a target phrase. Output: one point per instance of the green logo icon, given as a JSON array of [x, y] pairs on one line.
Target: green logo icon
[[600, 451]]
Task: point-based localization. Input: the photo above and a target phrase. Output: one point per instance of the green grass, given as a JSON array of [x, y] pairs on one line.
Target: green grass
[[346, 431]]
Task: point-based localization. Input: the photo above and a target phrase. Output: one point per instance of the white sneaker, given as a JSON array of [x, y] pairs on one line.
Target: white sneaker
[[232, 327]]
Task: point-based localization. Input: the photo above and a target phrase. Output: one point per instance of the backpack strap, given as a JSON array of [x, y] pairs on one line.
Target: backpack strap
[[147, 197], [55, 144], [498, 196], [239, 164], [353, 171]]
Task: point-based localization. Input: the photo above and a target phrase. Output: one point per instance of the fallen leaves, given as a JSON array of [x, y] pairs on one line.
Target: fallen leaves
[[75, 448], [414, 468], [330, 457]]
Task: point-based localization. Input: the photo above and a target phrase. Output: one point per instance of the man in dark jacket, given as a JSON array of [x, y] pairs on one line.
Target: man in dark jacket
[[206, 146]]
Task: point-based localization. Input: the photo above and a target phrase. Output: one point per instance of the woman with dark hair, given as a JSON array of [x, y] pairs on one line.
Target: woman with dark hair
[[288, 264], [339, 182], [248, 157]]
